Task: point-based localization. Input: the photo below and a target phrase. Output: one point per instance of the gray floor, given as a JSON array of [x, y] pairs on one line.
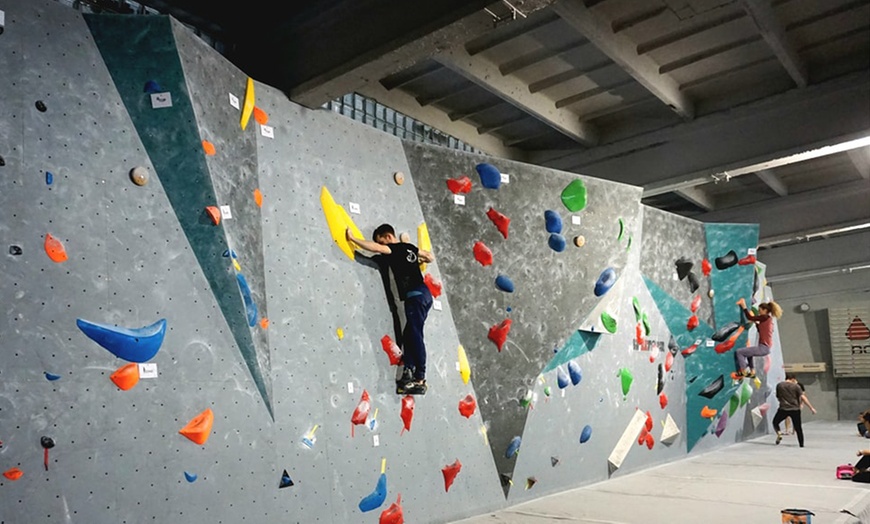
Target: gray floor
[[710, 488]]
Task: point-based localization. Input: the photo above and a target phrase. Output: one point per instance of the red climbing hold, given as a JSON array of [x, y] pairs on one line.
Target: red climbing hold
[[748, 260], [482, 254], [459, 185], [642, 437], [649, 421], [501, 222], [724, 347], [361, 413], [54, 249], [407, 412], [638, 336], [706, 267], [499, 332], [393, 514], [696, 303], [650, 441], [450, 471], [692, 323], [214, 214], [467, 406], [689, 350], [13, 474], [663, 400], [392, 350], [433, 285], [669, 361]]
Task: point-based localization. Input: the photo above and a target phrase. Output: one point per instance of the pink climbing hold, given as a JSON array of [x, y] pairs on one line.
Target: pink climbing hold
[[450, 471], [501, 222], [499, 332], [361, 413], [459, 185], [433, 284], [482, 254], [407, 412], [467, 406], [392, 350], [693, 322], [696, 303]]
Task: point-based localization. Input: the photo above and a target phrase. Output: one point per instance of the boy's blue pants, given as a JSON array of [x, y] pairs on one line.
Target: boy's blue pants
[[414, 350]]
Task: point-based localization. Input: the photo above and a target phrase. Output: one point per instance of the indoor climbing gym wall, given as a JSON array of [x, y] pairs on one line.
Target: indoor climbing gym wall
[[190, 337]]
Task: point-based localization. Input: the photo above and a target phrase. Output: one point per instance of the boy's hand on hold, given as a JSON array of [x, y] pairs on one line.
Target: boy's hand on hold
[[348, 235], [742, 303]]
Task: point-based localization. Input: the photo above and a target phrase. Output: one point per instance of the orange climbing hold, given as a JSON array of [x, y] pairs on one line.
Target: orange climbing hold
[[260, 116], [214, 214], [499, 332], [450, 471], [708, 413], [199, 428], [467, 406], [393, 514], [407, 412], [54, 249], [258, 197], [126, 377], [361, 413], [208, 147], [264, 323], [13, 474]]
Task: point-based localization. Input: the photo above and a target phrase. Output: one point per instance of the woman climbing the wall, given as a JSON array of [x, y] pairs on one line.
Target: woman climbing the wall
[[767, 311]]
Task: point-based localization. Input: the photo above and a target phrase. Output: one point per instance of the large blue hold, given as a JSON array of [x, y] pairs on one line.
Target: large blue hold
[[132, 345], [376, 498], [504, 283], [553, 221], [250, 307], [586, 434], [490, 177], [561, 378], [513, 448], [574, 372], [605, 281], [557, 242]]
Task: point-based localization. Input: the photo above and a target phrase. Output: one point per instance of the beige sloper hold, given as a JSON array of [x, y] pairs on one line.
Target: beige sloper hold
[[670, 432], [756, 416], [623, 446]]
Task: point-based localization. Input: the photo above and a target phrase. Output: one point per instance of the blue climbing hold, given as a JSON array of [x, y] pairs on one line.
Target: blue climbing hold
[[504, 283], [250, 307], [132, 345], [586, 434], [557, 242], [561, 378], [190, 477], [286, 481], [605, 281], [376, 498], [553, 221], [152, 87], [490, 177], [513, 448], [574, 372], [51, 376], [509, 309], [49, 178], [228, 253]]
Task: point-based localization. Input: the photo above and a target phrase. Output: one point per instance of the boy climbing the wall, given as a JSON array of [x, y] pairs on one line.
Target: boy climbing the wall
[[404, 261]]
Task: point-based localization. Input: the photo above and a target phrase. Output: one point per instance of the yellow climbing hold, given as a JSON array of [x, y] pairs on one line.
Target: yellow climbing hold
[[423, 242], [248, 107], [237, 266], [339, 333], [338, 221], [464, 368]]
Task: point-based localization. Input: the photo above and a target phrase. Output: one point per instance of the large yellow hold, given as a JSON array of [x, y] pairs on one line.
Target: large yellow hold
[[248, 105], [464, 368], [423, 242], [338, 221]]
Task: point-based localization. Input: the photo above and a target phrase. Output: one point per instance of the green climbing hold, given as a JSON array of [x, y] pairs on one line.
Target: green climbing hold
[[547, 390], [628, 246], [574, 195], [733, 404], [626, 378], [745, 393], [609, 322], [635, 303], [646, 328], [621, 229]]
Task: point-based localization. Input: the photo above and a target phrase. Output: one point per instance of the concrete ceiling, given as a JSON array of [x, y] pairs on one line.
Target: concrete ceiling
[[723, 110]]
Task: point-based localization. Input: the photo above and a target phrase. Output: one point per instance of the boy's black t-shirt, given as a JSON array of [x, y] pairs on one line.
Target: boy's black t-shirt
[[405, 265]]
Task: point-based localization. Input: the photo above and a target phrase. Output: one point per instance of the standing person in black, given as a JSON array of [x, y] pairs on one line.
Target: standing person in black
[[404, 261], [790, 396]]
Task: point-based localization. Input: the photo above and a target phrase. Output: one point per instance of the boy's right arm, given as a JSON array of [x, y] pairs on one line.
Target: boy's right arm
[[368, 245]]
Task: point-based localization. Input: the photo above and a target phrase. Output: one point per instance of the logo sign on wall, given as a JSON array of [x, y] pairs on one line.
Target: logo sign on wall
[[850, 341]]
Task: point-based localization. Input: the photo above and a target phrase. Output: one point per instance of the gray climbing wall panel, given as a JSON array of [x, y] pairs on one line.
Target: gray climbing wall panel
[[118, 455]]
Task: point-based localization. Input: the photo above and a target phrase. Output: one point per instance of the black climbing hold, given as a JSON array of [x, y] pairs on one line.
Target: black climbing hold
[[14, 250], [40, 106], [713, 387], [286, 481], [554, 461], [693, 282], [2, 161], [505, 479], [725, 331], [683, 266], [152, 86], [726, 261], [672, 345], [46, 442], [660, 382]]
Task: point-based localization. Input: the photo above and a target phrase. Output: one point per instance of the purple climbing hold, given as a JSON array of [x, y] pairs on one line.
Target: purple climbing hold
[[723, 422], [557, 242], [553, 222], [490, 177], [605, 281]]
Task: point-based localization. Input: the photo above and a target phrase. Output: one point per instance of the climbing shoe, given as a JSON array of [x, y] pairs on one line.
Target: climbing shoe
[[417, 387], [778, 437]]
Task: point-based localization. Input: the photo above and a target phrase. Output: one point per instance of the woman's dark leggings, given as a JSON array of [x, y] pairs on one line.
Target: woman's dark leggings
[[864, 476], [782, 414]]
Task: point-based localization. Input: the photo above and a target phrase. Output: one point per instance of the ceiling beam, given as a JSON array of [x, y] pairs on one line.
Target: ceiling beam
[[698, 196], [773, 32], [860, 158], [539, 55], [623, 51], [773, 181], [513, 90]]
